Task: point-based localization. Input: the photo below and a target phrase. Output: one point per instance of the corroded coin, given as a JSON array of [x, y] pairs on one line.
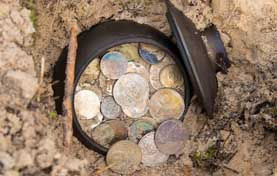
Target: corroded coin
[[139, 128], [106, 84], [124, 157], [130, 51], [165, 104], [136, 111], [96, 121], [113, 65], [87, 104], [170, 137], [92, 72], [155, 72], [150, 53], [171, 77], [151, 156], [134, 67], [131, 90], [109, 108], [110, 132]]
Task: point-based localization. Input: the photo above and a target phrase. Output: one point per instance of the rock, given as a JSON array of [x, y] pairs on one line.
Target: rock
[[12, 173], [23, 159], [46, 153], [27, 83], [6, 160]]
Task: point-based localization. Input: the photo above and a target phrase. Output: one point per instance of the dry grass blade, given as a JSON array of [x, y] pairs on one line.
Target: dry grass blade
[[69, 85]]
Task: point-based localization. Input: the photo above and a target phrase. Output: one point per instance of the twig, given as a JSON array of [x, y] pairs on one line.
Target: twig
[[231, 169], [69, 82], [41, 77], [100, 171]]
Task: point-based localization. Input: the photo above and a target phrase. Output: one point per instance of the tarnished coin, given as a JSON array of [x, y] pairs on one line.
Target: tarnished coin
[[87, 104], [106, 84], [151, 156], [155, 72], [131, 90], [109, 108], [134, 67], [110, 132], [170, 137], [130, 51], [96, 121], [103, 134], [171, 76], [89, 124], [113, 65], [139, 128], [165, 104], [150, 53], [136, 111], [92, 72], [124, 157]]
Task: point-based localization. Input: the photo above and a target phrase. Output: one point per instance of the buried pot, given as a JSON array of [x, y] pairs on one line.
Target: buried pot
[[190, 55]]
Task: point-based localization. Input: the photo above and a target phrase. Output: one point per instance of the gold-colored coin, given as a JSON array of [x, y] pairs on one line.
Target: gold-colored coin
[[166, 104], [134, 67], [171, 77], [131, 90], [130, 51], [124, 157], [87, 104], [155, 72], [150, 53], [113, 65], [92, 72]]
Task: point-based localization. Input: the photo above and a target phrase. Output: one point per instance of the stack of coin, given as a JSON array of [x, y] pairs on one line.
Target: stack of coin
[[126, 84]]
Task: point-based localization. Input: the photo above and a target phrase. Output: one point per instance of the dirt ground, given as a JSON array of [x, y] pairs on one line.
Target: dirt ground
[[241, 138]]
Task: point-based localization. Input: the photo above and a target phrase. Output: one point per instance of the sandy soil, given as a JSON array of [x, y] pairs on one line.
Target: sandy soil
[[241, 138]]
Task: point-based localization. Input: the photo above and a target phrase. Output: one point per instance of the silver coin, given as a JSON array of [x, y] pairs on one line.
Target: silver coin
[[113, 65], [151, 156], [109, 108], [106, 84], [150, 53], [165, 104], [136, 111], [171, 136], [134, 67], [87, 104], [155, 72], [92, 72], [131, 90], [171, 76], [124, 157], [139, 128]]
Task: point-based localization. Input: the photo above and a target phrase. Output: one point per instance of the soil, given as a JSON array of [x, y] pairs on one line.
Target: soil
[[241, 137]]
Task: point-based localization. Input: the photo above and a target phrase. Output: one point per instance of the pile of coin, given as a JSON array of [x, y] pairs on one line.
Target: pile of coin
[[126, 94]]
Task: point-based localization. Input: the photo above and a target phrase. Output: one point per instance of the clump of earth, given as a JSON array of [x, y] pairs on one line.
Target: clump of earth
[[240, 139]]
